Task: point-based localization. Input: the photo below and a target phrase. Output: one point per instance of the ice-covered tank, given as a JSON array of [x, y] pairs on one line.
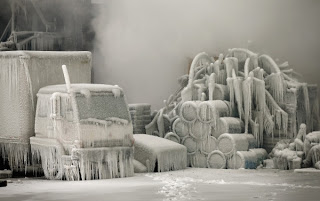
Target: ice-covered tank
[[83, 131]]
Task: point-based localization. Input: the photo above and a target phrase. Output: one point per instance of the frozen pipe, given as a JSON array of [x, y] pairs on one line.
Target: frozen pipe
[[173, 137], [246, 68], [208, 145], [180, 128], [68, 85], [268, 64], [66, 77], [216, 160], [195, 61], [211, 85]]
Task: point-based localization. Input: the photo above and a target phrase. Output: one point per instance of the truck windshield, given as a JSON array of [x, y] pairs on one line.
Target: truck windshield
[[102, 106]]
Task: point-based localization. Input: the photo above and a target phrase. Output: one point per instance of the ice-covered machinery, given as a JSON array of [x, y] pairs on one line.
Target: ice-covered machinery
[[228, 102], [83, 131]]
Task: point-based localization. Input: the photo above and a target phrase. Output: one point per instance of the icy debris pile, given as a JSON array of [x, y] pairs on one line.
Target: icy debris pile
[[22, 74], [227, 107], [140, 116], [304, 151], [158, 154]]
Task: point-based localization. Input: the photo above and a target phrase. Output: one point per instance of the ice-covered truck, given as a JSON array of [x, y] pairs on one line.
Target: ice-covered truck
[[22, 74], [83, 131]]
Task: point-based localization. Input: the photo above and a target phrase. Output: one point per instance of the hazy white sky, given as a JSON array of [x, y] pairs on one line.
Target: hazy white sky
[[145, 45]]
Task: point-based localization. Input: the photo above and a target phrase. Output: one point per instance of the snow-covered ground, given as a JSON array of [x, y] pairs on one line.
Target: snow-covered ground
[[190, 184]]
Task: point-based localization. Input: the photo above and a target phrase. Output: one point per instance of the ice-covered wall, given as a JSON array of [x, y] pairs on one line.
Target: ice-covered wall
[[22, 74], [144, 45]]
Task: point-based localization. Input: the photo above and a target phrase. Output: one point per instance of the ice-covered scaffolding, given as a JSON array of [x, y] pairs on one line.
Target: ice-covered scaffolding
[[258, 97], [22, 74]]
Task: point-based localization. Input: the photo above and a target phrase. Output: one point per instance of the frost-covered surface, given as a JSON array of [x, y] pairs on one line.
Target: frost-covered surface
[[22, 74], [159, 154], [189, 184]]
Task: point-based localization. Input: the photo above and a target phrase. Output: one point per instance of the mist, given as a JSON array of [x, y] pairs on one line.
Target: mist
[[144, 46]]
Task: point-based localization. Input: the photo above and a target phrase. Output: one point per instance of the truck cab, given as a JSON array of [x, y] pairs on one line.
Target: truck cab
[[84, 132]]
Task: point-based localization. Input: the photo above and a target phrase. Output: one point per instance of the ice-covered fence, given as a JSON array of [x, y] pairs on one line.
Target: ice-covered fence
[[22, 74]]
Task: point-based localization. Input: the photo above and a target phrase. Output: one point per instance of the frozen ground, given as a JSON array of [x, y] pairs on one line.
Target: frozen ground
[[190, 184]]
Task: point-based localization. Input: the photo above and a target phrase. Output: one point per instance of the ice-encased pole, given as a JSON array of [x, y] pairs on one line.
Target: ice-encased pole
[[72, 95], [66, 78]]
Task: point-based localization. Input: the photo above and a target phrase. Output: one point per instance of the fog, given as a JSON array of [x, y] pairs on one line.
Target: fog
[[145, 45]]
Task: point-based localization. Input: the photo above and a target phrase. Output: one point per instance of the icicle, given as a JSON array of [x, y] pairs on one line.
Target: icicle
[[247, 93], [277, 86], [246, 68], [231, 92], [259, 93], [307, 105], [210, 69], [17, 155], [237, 84], [228, 66], [211, 85], [203, 96], [105, 163], [260, 75], [281, 117], [268, 121]]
